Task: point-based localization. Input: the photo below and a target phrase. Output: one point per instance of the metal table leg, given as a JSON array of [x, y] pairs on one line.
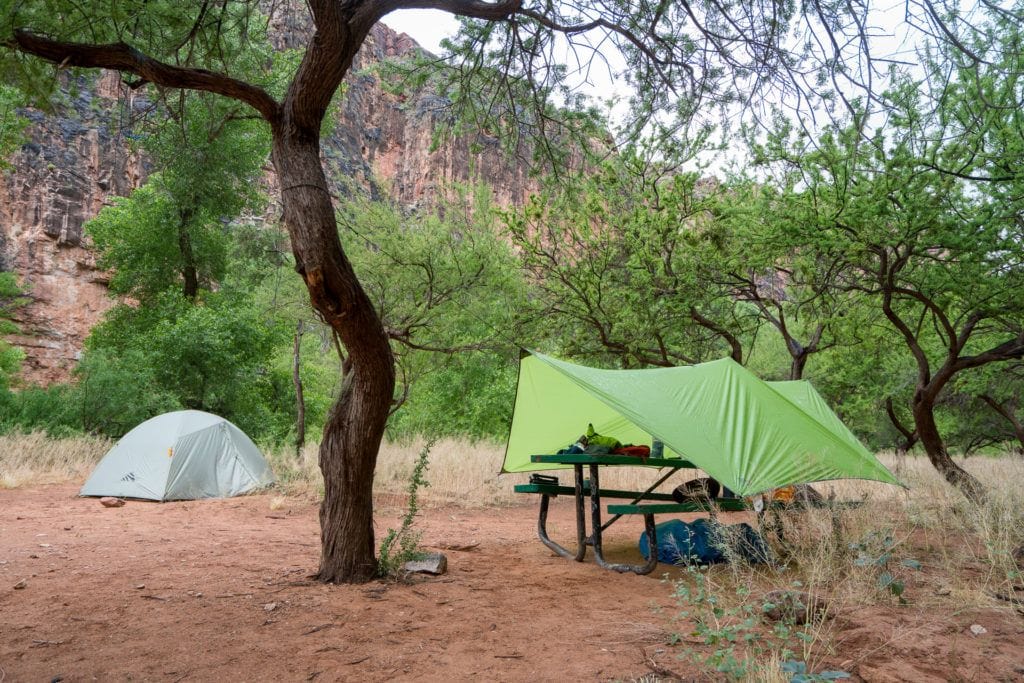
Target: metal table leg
[[595, 540], [581, 531]]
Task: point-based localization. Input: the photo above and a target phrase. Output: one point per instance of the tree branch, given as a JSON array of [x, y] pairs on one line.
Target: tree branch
[[124, 58], [474, 9]]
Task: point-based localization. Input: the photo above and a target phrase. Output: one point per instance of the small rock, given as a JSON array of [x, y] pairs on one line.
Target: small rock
[[21, 584], [270, 607], [943, 590], [978, 629], [432, 563], [44, 545], [111, 502], [793, 606], [140, 586]]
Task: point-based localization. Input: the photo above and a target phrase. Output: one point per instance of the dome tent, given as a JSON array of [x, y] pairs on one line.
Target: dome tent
[[182, 455]]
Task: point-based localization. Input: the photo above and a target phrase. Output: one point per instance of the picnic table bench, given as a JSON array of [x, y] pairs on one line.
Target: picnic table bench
[[638, 505]]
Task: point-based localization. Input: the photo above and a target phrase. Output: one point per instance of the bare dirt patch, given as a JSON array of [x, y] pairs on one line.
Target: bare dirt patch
[[219, 590]]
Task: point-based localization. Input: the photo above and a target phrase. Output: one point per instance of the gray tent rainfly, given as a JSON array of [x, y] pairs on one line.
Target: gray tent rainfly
[[183, 455]]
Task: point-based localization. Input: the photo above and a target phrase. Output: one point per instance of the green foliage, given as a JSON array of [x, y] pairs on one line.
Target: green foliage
[[175, 228], [402, 545], [729, 635], [117, 391], [212, 356], [464, 395], [622, 263], [447, 290], [11, 298], [52, 410], [877, 552], [12, 124]]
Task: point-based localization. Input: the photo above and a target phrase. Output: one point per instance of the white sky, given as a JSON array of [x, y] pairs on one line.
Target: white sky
[[426, 26]]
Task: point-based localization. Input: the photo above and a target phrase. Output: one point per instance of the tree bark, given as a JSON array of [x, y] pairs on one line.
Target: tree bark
[[796, 368], [909, 435], [355, 425], [188, 258], [935, 448], [300, 401]]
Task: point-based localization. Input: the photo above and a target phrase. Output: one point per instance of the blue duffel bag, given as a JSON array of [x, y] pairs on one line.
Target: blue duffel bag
[[703, 542]]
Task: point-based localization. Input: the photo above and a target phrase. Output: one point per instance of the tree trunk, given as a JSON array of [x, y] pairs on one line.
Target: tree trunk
[[931, 440], [188, 257], [796, 369], [300, 401], [909, 435], [355, 424]]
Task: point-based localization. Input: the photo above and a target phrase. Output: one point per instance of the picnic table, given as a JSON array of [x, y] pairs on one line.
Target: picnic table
[[647, 503]]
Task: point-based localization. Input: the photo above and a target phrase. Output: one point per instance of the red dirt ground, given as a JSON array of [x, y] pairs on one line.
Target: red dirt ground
[[218, 591]]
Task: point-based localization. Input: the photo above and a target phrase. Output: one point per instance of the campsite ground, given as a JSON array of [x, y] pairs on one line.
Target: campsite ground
[[218, 590]]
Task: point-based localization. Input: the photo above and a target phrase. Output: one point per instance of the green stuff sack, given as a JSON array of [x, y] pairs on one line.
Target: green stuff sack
[[595, 439]]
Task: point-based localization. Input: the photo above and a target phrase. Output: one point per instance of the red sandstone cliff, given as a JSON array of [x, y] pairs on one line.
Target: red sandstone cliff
[[79, 156]]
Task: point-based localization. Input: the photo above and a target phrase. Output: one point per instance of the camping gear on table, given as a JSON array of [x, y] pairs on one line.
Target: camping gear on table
[[704, 542], [182, 455], [750, 435], [634, 451]]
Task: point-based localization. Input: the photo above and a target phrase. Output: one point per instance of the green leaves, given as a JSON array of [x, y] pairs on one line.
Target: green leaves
[[12, 124], [625, 263], [447, 291]]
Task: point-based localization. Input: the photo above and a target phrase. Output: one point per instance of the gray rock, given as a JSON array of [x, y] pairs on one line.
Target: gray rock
[[432, 563]]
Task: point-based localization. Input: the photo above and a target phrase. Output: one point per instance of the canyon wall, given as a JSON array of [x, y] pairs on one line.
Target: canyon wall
[[79, 155]]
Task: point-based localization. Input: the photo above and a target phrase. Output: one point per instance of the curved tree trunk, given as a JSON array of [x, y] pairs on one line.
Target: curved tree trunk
[[355, 425], [934, 447], [909, 435], [300, 400]]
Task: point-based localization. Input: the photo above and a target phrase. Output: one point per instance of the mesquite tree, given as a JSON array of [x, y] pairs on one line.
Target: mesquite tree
[[682, 58], [938, 259]]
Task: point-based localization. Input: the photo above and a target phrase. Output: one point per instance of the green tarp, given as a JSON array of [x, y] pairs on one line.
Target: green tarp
[[749, 434]]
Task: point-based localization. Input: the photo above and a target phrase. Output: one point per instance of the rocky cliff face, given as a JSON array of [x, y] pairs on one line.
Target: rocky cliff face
[[80, 156]]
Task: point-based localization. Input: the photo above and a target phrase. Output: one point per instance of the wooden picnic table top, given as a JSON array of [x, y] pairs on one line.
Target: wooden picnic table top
[[590, 459]]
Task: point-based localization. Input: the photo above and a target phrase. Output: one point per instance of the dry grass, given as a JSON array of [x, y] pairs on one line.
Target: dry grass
[[940, 551], [28, 459]]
